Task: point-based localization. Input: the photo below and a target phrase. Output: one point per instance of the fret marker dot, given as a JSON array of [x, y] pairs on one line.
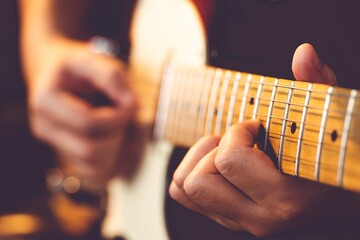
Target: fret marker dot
[[293, 127], [334, 136], [252, 101]]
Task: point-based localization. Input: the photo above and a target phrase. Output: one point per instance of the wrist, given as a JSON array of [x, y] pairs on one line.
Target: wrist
[[76, 210], [36, 53], [60, 183]]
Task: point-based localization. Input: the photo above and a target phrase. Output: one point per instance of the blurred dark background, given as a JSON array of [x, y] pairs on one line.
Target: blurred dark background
[[23, 160]]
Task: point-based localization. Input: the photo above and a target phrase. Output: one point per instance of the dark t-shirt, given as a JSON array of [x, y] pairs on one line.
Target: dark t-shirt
[[260, 36]]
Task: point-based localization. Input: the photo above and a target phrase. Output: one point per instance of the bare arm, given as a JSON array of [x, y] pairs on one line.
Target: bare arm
[[62, 74], [44, 22]]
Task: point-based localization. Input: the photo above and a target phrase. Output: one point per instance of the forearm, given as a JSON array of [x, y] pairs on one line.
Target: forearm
[[43, 22]]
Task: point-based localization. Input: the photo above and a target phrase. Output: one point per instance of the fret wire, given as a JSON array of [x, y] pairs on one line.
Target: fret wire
[[280, 93], [347, 122], [311, 110], [174, 102], [321, 134], [309, 107], [295, 139], [283, 129], [220, 111], [337, 94], [312, 113], [295, 104], [305, 123], [258, 95], [355, 113], [294, 88], [307, 140], [310, 163], [284, 86], [199, 111], [189, 84], [290, 120], [271, 106], [301, 131], [281, 118], [326, 166], [190, 124], [243, 103], [292, 104], [299, 105], [179, 98], [164, 103], [212, 100], [307, 163], [205, 94], [232, 99]]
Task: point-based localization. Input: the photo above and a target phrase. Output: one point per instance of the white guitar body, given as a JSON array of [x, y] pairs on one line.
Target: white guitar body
[[161, 29]]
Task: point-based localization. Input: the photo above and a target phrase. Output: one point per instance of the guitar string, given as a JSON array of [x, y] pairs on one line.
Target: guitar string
[[286, 103], [291, 158], [328, 130], [311, 163], [339, 94], [305, 141], [298, 105], [309, 113], [330, 111], [262, 99], [331, 131], [286, 86], [269, 84], [288, 136], [247, 112]]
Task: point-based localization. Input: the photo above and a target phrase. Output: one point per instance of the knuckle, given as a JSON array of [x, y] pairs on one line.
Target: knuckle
[[229, 164], [113, 74], [36, 129], [261, 231], [211, 140], [262, 228], [193, 186], [86, 152], [38, 104], [235, 130], [288, 212], [88, 126], [178, 178], [229, 224], [174, 192], [224, 165], [232, 227]]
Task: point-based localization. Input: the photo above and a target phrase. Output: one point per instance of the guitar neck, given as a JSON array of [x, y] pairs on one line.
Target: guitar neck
[[309, 128]]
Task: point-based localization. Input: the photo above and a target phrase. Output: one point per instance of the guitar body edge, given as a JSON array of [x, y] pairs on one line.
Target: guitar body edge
[[161, 30]]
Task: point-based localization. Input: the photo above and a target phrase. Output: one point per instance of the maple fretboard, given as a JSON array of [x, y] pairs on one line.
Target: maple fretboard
[[311, 128]]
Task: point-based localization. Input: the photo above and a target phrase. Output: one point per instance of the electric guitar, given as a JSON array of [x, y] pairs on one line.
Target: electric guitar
[[311, 128]]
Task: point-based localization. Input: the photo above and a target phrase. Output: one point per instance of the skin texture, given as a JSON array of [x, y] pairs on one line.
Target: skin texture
[[63, 78], [88, 138], [235, 184]]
